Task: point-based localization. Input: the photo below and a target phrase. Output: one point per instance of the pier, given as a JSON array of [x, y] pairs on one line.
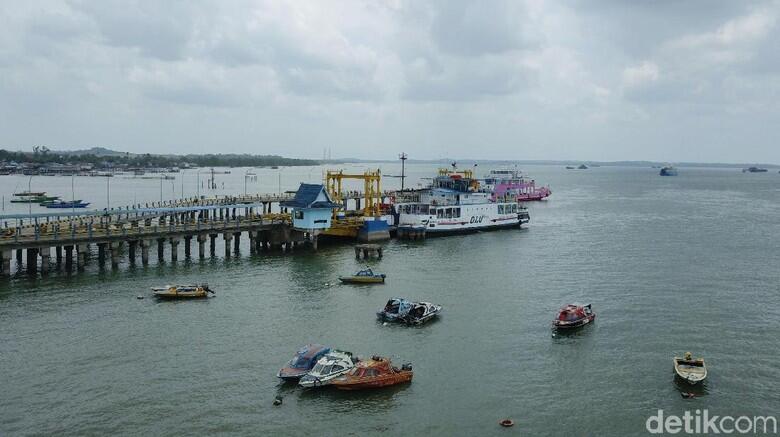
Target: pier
[[42, 242]]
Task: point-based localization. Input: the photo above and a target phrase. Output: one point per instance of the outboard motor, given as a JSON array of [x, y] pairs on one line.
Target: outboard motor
[[407, 366]]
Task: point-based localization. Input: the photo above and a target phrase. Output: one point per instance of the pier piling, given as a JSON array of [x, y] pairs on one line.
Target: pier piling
[[145, 252]]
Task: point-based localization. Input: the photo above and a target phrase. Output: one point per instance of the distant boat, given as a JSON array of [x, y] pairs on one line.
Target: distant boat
[[754, 170], [366, 276], [582, 167], [182, 291], [668, 171], [570, 167], [32, 197], [689, 369], [65, 204]]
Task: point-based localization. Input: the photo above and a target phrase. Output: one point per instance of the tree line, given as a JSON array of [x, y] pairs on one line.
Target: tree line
[[43, 155]]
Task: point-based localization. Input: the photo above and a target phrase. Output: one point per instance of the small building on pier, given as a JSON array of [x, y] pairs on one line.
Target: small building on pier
[[312, 208]]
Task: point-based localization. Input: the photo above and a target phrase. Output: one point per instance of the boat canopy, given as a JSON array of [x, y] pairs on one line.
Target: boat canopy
[[398, 306]]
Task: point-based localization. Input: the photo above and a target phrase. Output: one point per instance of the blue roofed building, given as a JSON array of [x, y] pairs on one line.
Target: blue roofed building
[[312, 208]]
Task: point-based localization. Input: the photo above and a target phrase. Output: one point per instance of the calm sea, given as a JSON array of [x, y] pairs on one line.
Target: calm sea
[[687, 263]]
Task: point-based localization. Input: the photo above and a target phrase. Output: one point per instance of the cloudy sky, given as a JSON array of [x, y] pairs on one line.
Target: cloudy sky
[[604, 80]]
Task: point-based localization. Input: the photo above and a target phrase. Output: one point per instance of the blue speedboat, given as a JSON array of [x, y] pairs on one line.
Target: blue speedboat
[[65, 204], [303, 361]]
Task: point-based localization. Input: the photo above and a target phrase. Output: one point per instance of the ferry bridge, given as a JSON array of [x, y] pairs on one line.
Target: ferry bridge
[[29, 238]]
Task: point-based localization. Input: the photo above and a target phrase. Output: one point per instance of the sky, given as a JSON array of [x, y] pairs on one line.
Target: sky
[[672, 81]]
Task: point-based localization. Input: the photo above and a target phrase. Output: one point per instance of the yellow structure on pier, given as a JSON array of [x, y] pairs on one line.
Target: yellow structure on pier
[[372, 192], [372, 201]]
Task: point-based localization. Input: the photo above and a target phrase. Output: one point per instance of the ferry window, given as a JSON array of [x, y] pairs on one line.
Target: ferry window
[[424, 209], [299, 215], [514, 208], [500, 209], [457, 213], [440, 212], [448, 212], [336, 368]]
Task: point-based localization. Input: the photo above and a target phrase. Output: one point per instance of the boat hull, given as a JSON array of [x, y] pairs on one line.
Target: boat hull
[[373, 383], [361, 280], [563, 324], [180, 295], [692, 372]]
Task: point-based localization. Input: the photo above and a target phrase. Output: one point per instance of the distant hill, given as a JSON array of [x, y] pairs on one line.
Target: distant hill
[[95, 151]]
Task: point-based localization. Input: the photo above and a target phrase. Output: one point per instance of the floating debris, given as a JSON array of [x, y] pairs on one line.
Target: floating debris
[[139, 297], [278, 401], [506, 423]]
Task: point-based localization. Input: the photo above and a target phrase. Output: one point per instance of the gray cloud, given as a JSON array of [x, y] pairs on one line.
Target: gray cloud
[[567, 80]]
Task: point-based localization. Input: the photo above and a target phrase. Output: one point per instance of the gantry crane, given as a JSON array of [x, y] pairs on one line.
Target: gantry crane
[[372, 192]]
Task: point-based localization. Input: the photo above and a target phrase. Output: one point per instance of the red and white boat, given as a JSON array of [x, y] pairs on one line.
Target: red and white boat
[[573, 316], [377, 372]]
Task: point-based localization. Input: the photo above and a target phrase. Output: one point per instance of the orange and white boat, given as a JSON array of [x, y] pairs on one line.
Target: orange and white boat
[[377, 372]]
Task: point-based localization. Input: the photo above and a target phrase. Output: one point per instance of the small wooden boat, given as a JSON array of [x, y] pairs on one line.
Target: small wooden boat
[[377, 372], [302, 362], [573, 316], [691, 370], [366, 276], [182, 291], [328, 368]]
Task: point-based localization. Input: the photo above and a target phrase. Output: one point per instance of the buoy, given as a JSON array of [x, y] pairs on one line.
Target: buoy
[[506, 423], [278, 400], [139, 297]]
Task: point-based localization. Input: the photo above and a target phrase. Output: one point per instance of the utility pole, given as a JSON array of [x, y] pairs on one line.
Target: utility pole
[[403, 157]]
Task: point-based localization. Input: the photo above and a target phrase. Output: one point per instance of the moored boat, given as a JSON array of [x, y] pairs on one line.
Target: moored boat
[[200, 291], [366, 276], [377, 372], [302, 362], [412, 313], [573, 316], [334, 364], [754, 170], [32, 197], [65, 204], [456, 203], [691, 370], [510, 182]]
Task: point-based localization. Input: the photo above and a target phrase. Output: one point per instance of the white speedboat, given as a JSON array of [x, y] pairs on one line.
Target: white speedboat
[[334, 364]]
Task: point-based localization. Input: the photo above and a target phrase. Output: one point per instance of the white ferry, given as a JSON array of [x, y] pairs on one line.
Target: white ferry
[[455, 203]]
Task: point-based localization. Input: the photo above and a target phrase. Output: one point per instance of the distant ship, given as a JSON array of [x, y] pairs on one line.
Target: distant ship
[[668, 171], [754, 170]]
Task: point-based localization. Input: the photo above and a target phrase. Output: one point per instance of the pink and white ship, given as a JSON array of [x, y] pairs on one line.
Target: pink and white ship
[[511, 183]]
